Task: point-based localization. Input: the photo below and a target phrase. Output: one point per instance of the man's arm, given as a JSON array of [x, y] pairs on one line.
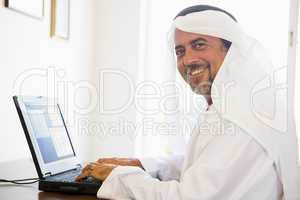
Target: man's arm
[[164, 168], [242, 171]]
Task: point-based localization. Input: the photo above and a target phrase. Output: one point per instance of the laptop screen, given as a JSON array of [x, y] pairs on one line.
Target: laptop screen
[[50, 132]]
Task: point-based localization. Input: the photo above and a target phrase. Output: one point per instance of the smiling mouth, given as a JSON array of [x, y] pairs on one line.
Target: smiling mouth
[[196, 70]]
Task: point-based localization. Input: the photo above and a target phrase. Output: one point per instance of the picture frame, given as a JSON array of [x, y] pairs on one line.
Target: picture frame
[[60, 19], [31, 8]]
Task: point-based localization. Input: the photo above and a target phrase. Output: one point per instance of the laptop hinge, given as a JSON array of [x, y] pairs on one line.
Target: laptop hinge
[[78, 166], [47, 174]]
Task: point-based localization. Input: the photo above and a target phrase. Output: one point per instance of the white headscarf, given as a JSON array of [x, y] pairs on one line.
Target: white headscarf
[[249, 99]]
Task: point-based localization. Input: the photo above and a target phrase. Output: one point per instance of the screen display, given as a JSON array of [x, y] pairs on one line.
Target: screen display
[[50, 132]]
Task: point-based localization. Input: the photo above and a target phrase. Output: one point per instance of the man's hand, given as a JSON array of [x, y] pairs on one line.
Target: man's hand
[[121, 161], [96, 170], [103, 167]]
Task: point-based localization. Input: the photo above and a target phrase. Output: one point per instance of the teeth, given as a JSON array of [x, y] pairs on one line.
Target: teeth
[[197, 71]]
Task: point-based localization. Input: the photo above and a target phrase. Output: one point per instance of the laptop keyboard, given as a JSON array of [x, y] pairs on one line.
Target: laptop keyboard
[[70, 177]]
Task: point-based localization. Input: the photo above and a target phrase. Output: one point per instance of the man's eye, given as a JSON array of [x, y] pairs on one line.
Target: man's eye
[[179, 52], [198, 45]]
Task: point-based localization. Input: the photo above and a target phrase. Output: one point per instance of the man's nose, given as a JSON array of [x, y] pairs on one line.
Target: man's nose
[[190, 58]]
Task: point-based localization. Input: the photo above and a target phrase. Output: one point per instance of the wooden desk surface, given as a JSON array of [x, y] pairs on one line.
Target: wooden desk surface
[[25, 169]]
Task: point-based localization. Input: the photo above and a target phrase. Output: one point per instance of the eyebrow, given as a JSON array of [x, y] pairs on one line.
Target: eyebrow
[[193, 41], [197, 39], [179, 47]]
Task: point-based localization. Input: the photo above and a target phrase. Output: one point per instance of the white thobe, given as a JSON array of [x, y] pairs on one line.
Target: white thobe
[[218, 165]]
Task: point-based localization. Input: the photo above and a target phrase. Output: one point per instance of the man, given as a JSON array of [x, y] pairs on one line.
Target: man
[[245, 157]]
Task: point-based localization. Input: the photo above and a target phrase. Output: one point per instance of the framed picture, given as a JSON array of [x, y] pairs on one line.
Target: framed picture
[[32, 8], [60, 19]]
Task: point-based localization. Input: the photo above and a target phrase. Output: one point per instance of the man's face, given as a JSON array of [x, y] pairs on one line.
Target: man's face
[[199, 58]]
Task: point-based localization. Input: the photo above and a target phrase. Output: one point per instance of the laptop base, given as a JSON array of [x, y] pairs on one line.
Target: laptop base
[[67, 187]]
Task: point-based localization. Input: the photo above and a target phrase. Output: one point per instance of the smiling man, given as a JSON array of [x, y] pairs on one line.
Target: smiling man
[[199, 58], [251, 160]]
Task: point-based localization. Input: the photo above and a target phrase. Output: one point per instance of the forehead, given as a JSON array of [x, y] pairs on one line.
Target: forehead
[[183, 38]]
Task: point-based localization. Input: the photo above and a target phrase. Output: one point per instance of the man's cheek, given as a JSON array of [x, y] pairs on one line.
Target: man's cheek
[[183, 74]]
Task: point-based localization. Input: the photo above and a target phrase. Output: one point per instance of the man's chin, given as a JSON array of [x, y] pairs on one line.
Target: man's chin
[[204, 91]]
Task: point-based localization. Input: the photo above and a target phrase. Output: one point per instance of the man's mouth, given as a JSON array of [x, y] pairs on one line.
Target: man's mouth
[[195, 70], [197, 76]]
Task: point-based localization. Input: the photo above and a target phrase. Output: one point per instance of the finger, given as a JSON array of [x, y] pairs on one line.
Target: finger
[[94, 165], [101, 171], [83, 175], [108, 160], [116, 161], [86, 171], [109, 165], [104, 160], [86, 167]]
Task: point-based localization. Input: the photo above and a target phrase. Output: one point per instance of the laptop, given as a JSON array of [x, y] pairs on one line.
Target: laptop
[[51, 147]]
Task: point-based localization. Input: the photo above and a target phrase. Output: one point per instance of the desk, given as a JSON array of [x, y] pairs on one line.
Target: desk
[[25, 169]]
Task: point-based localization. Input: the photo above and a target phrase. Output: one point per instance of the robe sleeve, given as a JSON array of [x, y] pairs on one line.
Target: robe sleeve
[[239, 170], [164, 168]]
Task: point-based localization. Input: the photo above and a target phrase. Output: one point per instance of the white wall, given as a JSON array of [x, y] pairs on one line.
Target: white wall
[[104, 35], [25, 44], [117, 43]]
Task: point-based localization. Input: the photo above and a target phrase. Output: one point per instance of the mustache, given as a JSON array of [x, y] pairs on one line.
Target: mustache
[[189, 67]]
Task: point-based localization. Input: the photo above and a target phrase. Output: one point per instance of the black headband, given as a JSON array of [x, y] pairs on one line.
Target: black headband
[[200, 8]]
